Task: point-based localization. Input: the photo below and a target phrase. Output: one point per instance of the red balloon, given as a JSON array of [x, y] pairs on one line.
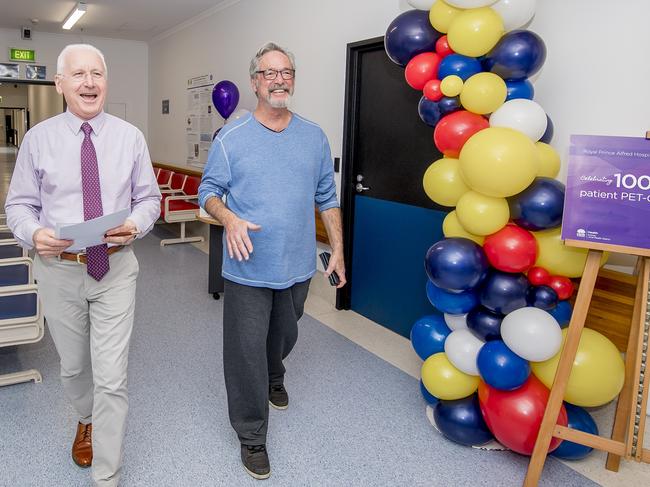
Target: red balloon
[[422, 68], [511, 249], [443, 48], [562, 286], [538, 276], [455, 129], [514, 417], [432, 91]]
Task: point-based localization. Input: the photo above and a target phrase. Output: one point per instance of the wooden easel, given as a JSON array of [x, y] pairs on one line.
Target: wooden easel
[[629, 422]]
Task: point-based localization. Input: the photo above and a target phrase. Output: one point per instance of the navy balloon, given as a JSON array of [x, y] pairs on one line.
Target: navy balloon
[[542, 297], [500, 367], [581, 420], [429, 111], [428, 335], [485, 324], [461, 421], [548, 135], [456, 264], [225, 97], [449, 104], [521, 88], [539, 206], [562, 313], [503, 292], [462, 66], [518, 55], [427, 396], [410, 34], [451, 303]]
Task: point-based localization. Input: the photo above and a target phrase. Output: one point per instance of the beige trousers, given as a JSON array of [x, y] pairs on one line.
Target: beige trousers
[[90, 323]]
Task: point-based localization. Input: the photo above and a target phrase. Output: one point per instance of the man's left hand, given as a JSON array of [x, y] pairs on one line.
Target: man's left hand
[[122, 235], [337, 264]]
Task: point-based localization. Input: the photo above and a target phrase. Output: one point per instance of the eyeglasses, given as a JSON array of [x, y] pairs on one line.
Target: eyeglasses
[[271, 74]]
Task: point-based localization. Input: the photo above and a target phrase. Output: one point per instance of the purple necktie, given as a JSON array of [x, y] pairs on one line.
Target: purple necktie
[[97, 256]]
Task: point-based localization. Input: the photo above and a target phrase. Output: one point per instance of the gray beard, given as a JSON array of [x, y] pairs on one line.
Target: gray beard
[[279, 103]]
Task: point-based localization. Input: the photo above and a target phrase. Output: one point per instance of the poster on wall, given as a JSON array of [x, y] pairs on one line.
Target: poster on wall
[[607, 198], [200, 119], [9, 70], [34, 71]]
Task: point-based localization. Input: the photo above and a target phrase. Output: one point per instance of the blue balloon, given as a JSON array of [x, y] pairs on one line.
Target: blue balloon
[[485, 324], [542, 297], [548, 135], [449, 104], [428, 335], [452, 303], [456, 264], [521, 88], [428, 397], [562, 313], [461, 421], [408, 35], [518, 55], [462, 66], [429, 111], [539, 206], [503, 292], [581, 420], [500, 367]]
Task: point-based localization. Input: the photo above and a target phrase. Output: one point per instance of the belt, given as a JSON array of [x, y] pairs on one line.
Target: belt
[[80, 258]]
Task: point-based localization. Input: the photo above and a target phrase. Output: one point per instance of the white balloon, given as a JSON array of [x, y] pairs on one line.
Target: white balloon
[[462, 348], [422, 4], [469, 3], [521, 114], [456, 322], [531, 333], [514, 13]]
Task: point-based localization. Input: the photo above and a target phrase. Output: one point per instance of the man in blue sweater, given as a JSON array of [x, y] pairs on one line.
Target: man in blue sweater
[[272, 166]]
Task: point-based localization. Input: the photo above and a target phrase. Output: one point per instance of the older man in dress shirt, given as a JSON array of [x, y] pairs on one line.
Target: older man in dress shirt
[[74, 167]]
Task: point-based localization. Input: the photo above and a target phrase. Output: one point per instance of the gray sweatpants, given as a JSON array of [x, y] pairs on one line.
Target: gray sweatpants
[[260, 328]]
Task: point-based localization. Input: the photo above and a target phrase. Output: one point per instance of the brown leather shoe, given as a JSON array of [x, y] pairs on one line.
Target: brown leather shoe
[[82, 448]]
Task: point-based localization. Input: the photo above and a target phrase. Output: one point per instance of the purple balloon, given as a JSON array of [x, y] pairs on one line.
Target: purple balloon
[[225, 97]]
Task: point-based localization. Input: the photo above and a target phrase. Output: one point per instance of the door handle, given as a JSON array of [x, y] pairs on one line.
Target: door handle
[[361, 188]]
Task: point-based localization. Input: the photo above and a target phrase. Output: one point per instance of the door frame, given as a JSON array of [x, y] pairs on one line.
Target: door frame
[[348, 181]]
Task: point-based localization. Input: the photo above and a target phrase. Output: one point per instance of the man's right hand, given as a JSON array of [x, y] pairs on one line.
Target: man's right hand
[[237, 239], [47, 245]]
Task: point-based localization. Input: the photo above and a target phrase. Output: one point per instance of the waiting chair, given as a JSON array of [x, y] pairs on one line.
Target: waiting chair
[[182, 208]]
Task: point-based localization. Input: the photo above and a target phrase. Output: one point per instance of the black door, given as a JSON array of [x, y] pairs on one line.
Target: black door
[[389, 222]]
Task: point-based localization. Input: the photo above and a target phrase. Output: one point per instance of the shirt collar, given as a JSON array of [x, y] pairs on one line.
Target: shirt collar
[[75, 123]]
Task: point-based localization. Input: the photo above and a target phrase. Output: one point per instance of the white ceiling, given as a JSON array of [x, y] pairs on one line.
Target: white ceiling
[[121, 19]]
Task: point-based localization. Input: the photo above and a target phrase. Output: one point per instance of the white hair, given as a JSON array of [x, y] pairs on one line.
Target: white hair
[[269, 47], [60, 61]]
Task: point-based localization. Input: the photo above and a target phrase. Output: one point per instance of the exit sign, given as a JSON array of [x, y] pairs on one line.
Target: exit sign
[[22, 55]]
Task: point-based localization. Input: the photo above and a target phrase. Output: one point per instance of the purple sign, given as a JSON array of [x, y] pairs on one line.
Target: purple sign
[[607, 199]]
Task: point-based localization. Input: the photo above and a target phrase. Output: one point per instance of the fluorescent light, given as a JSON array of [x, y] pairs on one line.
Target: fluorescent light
[[75, 15]]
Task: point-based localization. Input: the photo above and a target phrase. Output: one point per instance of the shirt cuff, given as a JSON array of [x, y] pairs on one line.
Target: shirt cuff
[[203, 199], [26, 233], [327, 205]]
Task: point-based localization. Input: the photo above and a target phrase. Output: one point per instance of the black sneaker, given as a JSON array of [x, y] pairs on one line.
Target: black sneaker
[[278, 397], [256, 461]]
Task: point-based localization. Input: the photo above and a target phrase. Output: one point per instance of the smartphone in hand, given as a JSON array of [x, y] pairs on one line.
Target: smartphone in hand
[[333, 277]]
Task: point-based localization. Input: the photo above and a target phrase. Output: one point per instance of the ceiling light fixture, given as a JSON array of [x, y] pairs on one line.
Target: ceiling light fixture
[[75, 15]]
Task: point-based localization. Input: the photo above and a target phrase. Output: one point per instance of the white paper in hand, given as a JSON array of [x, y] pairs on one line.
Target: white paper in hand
[[90, 232]]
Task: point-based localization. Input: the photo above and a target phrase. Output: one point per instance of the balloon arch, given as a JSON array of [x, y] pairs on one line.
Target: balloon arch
[[501, 277]]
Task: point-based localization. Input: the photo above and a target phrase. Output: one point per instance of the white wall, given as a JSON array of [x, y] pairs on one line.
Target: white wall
[[127, 66]]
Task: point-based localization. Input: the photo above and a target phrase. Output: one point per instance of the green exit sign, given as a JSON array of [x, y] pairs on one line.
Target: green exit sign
[[22, 55]]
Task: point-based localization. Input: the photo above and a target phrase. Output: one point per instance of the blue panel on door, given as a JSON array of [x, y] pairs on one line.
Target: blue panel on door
[[388, 277]]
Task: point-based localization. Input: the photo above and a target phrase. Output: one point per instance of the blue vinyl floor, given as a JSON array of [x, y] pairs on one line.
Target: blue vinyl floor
[[353, 418]]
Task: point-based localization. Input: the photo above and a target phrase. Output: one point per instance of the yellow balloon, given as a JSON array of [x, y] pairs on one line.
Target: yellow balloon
[[483, 93], [445, 381], [597, 375], [475, 32], [451, 227], [451, 85], [549, 160], [441, 15], [499, 161], [442, 182], [481, 214], [560, 259]]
